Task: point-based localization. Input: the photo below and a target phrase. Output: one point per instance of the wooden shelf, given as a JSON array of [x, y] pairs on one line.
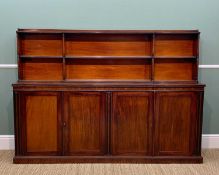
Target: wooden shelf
[[58, 31], [175, 57], [88, 57], [39, 57], [118, 81], [109, 57]]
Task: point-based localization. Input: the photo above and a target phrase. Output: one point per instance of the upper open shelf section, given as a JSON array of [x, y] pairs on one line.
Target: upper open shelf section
[[144, 55]]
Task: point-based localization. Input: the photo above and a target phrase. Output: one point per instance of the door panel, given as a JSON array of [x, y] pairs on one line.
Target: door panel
[[175, 123], [85, 117], [131, 123], [40, 113]]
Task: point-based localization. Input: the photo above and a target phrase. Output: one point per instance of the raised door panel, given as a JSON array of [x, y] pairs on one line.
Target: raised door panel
[[175, 123], [131, 123], [40, 121], [85, 117]]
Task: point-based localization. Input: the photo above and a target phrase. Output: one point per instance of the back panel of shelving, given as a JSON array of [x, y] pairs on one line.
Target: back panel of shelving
[[168, 70], [108, 69], [41, 69], [40, 44], [176, 45], [108, 45]]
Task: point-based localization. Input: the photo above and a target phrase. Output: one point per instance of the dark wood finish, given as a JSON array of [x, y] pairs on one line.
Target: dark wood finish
[[130, 112], [173, 69], [41, 44], [108, 69], [108, 96], [41, 120], [108, 45], [175, 45], [85, 123], [178, 111], [108, 159], [41, 69], [58, 31], [96, 46]]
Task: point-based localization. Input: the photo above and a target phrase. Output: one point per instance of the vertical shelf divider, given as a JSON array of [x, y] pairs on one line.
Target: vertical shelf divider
[[18, 57], [196, 52], [63, 57], [152, 60]]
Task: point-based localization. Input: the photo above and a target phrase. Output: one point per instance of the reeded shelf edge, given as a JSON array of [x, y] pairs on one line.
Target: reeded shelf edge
[[40, 56], [108, 57], [175, 57], [94, 83]]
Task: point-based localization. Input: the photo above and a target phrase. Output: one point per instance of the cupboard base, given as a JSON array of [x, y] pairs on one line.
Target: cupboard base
[[106, 159]]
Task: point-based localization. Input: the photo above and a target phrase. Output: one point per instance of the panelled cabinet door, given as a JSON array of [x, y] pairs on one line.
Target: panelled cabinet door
[[85, 120], [131, 123], [176, 123], [40, 123]]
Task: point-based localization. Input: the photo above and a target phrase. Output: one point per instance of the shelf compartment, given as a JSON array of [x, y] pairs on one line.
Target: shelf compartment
[[108, 45], [176, 45], [41, 69], [40, 44], [108, 69], [175, 70]]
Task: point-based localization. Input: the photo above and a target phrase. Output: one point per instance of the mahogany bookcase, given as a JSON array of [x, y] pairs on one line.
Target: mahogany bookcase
[[108, 96]]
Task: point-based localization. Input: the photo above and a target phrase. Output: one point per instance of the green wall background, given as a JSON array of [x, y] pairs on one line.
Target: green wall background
[[111, 14]]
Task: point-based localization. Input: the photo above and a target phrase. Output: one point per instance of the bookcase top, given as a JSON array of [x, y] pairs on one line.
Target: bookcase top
[[108, 31]]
